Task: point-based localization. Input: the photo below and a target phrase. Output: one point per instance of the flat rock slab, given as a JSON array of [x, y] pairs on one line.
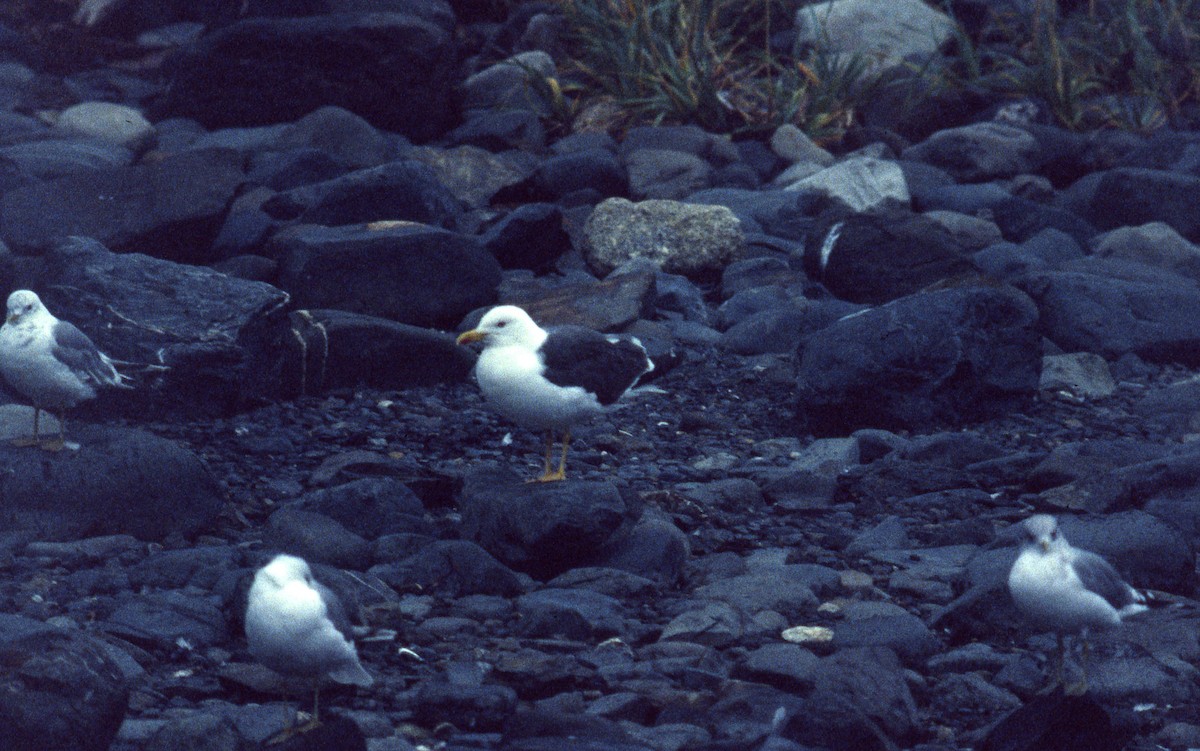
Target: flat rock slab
[[169, 209], [119, 481]]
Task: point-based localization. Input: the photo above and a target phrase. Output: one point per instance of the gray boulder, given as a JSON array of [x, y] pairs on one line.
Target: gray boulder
[[945, 356], [1132, 196], [202, 325], [120, 481], [1112, 308], [313, 351], [404, 190], [686, 239], [978, 152], [541, 529], [453, 568], [873, 258], [169, 209], [60, 689], [409, 273]]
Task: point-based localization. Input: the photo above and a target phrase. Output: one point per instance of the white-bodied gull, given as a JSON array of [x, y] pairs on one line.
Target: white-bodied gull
[[552, 379], [297, 627], [1066, 590], [51, 362]]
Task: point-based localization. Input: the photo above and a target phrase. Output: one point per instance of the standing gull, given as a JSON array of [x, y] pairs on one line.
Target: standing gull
[[51, 362], [552, 379], [1067, 590], [296, 626]]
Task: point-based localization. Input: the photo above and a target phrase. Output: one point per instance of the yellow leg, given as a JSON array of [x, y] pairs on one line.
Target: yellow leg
[[549, 452], [57, 444], [315, 722], [561, 473], [292, 728], [1080, 687], [35, 439]]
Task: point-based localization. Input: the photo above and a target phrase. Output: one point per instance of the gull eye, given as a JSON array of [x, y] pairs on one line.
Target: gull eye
[[501, 324]]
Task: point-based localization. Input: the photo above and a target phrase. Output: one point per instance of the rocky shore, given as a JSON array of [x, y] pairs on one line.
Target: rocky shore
[[872, 360]]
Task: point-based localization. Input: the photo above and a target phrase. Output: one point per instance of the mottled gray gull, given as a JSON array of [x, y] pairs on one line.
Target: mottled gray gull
[[1067, 590], [51, 362], [552, 379], [297, 627]]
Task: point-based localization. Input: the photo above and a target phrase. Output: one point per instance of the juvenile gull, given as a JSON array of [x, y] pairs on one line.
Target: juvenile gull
[[1067, 590], [51, 362], [552, 379], [296, 626]]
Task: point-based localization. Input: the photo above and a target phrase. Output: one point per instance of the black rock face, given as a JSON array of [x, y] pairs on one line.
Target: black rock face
[[392, 69]]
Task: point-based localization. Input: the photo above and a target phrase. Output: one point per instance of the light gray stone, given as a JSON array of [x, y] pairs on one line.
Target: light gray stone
[[105, 121], [883, 32], [1083, 374], [683, 238], [861, 183]]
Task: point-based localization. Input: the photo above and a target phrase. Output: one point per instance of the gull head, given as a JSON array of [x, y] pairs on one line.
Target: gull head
[[505, 325], [1041, 530], [283, 570], [23, 305]]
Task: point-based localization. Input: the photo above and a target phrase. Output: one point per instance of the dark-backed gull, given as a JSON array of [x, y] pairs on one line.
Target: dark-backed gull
[[296, 626], [551, 379], [1067, 590], [51, 362]]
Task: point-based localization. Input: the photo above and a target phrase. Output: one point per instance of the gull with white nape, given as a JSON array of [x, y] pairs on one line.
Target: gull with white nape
[[297, 627], [51, 362], [1068, 590], [552, 379]]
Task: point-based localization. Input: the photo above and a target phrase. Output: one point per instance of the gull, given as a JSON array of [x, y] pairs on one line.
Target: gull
[[51, 362], [296, 626], [552, 379], [1067, 590]]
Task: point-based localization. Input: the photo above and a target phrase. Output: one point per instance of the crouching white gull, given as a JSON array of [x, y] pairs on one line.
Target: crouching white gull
[[297, 626], [552, 379], [1067, 590], [51, 362]]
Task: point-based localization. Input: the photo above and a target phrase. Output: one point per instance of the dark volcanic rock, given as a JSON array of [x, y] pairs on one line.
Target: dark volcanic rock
[[119, 481], [873, 258], [166, 619], [860, 699], [450, 567], [1134, 196], [409, 273], [199, 323], [317, 350], [60, 689], [950, 355], [542, 529], [530, 237], [1056, 723], [1112, 308], [405, 190], [392, 69], [170, 209]]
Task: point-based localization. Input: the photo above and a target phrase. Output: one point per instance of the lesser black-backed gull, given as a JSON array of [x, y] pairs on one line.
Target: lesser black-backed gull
[[297, 626], [51, 362], [552, 379], [1067, 590]]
